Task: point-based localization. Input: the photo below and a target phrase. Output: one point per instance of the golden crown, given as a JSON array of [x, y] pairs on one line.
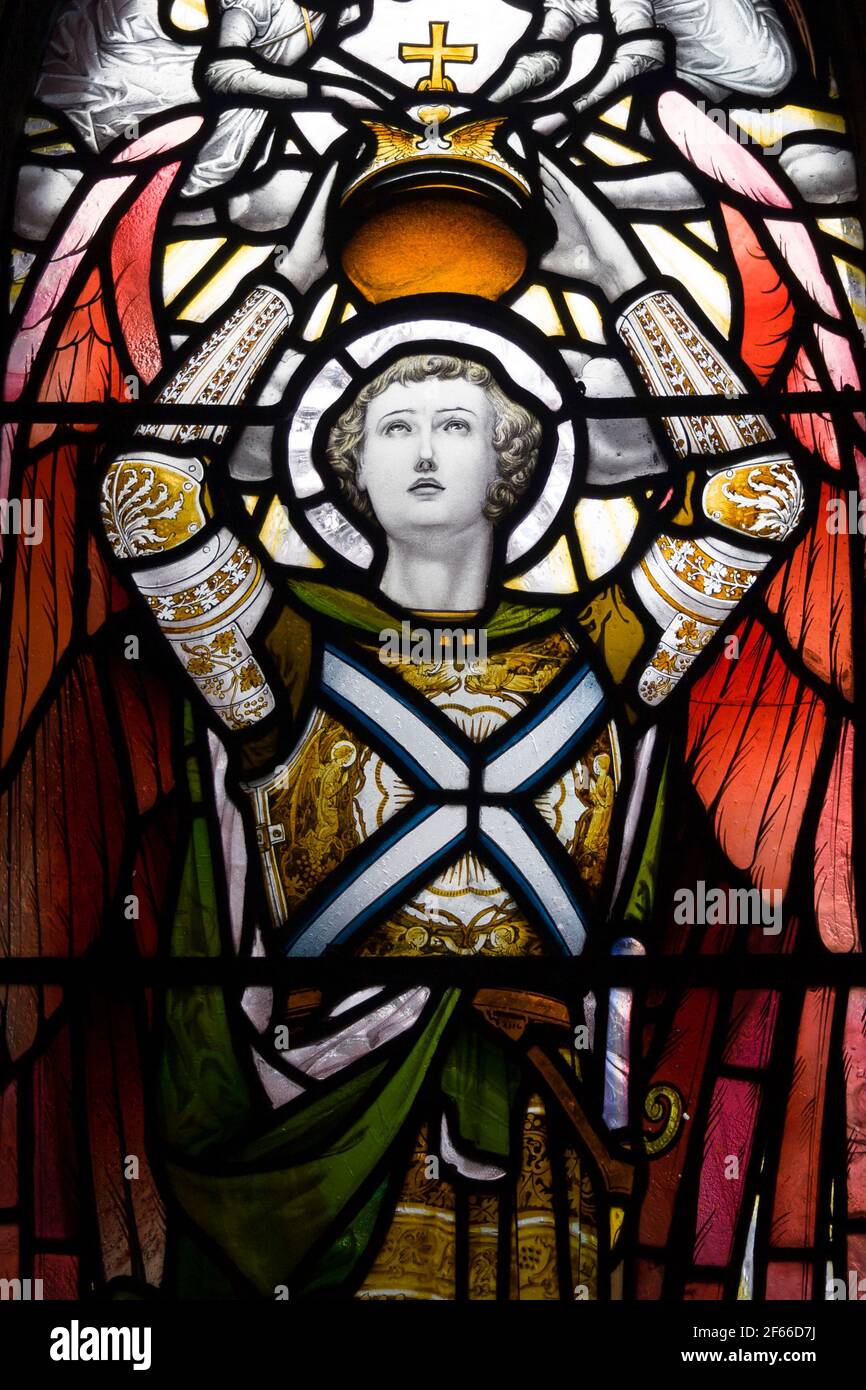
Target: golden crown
[[466, 152]]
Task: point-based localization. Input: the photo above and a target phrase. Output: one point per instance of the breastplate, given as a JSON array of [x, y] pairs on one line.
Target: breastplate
[[443, 807]]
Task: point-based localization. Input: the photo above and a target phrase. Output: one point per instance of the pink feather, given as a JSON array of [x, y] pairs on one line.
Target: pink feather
[[834, 845], [715, 153], [796, 245]]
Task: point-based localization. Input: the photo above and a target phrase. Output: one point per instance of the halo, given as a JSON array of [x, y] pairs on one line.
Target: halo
[[347, 752], [333, 384]]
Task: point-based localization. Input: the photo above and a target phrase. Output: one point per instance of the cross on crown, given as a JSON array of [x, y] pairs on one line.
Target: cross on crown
[[437, 53]]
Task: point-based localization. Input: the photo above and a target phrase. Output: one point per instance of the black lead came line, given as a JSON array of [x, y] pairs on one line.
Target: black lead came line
[[556, 974], [134, 414]]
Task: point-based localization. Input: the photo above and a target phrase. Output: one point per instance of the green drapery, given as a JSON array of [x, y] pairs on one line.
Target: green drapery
[[268, 1198]]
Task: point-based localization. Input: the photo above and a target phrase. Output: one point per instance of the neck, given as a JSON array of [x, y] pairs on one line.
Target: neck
[[442, 577]]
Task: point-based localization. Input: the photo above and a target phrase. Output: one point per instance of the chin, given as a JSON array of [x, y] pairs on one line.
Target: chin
[[426, 517], [405, 532]]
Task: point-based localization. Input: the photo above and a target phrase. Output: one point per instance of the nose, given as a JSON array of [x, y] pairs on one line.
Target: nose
[[425, 459]]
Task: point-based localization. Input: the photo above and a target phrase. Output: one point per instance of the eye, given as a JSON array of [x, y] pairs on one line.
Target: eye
[[456, 426], [397, 427]]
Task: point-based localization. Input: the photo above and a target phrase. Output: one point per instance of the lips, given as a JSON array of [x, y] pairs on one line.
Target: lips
[[426, 485]]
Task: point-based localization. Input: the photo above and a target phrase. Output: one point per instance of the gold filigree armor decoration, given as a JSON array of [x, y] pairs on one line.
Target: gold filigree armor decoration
[[311, 812], [533, 1271], [691, 589], [416, 1260], [207, 603], [223, 369], [211, 592], [151, 504], [675, 358], [763, 499], [692, 585], [419, 1255]]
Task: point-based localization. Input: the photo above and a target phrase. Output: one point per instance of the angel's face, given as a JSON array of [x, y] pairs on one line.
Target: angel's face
[[427, 459]]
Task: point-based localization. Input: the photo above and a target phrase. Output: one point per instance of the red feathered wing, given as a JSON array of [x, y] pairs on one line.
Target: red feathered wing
[[85, 771], [770, 748]]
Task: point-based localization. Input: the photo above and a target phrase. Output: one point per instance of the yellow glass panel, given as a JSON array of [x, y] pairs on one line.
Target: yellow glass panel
[[348, 313], [282, 541], [38, 125], [20, 270], [848, 229], [552, 575], [586, 315], [224, 283], [183, 260], [745, 1290], [320, 315], [770, 126], [705, 284], [250, 500], [704, 230], [617, 1217], [612, 151], [59, 147], [854, 281], [189, 14], [618, 114], [604, 525], [537, 306]]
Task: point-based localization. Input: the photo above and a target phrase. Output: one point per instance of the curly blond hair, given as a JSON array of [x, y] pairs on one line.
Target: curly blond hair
[[516, 432]]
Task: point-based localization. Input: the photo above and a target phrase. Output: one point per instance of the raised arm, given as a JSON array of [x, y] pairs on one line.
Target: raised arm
[[233, 70], [205, 588], [639, 47], [742, 496]]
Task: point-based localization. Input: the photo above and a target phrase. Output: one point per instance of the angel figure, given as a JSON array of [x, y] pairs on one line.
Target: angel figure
[[113, 65], [435, 458], [724, 50], [601, 795], [720, 46], [165, 678], [257, 43]]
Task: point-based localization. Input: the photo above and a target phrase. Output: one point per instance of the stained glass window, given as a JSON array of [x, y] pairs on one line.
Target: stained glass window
[[432, 464]]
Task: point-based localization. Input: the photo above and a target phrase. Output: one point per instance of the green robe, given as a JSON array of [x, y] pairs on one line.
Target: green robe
[[287, 1201]]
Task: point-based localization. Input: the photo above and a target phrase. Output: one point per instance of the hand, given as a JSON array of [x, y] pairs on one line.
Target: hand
[[240, 77], [532, 70], [625, 67], [306, 261], [619, 452], [588, 246]]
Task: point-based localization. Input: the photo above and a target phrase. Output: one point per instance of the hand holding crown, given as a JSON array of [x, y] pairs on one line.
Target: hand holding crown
[[588, 245]]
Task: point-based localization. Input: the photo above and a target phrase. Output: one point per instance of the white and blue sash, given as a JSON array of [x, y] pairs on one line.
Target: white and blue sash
[[466, 796]]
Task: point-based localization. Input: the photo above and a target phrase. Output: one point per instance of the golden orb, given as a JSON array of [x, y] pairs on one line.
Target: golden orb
[[431, 242]]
